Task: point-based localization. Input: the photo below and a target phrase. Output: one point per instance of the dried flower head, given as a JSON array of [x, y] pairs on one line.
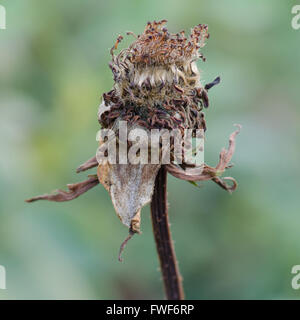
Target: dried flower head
[[157, 85], [157, 82]]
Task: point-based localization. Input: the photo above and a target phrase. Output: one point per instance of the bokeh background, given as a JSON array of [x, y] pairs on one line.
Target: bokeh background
[[53, 70]]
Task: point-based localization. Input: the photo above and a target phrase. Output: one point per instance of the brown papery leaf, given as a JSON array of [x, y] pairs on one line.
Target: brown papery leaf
[[130, 187], [210, 173], [91, 163], [75, 190]]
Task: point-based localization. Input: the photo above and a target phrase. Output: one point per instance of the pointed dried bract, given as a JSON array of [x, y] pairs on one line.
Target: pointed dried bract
[[89, 164], [75, 190], [130, 187]]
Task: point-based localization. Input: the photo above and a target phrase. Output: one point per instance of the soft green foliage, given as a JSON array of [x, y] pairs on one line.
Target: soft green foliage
[[53, 69]]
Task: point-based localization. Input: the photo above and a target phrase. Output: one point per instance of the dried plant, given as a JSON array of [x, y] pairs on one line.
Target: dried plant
[[157, 85]]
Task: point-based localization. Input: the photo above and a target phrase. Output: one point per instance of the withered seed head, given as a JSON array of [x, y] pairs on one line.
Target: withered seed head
[[157, 85], [157, 82], [156, 46]]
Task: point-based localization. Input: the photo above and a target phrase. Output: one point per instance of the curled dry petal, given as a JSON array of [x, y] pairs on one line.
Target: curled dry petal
[[210, 173], [226, 155], [212, 84], [222, 183]]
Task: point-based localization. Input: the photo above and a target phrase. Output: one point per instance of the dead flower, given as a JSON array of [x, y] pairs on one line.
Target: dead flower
[[157, 86]]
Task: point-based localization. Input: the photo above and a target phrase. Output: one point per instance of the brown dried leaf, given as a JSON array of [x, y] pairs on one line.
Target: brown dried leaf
[[130, 187], [91, 163], [210, 173], [75, 190]]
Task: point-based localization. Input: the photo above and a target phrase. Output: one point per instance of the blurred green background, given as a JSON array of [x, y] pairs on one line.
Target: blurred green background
[[53, 70]]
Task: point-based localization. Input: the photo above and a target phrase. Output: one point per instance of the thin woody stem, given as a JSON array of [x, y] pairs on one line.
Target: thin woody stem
[[164, 244]]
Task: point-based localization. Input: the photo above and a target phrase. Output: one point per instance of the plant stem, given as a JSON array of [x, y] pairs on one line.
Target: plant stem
[[164, 244]]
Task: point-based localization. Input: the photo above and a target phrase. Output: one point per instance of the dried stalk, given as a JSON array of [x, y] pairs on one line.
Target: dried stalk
[[164, 244]]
